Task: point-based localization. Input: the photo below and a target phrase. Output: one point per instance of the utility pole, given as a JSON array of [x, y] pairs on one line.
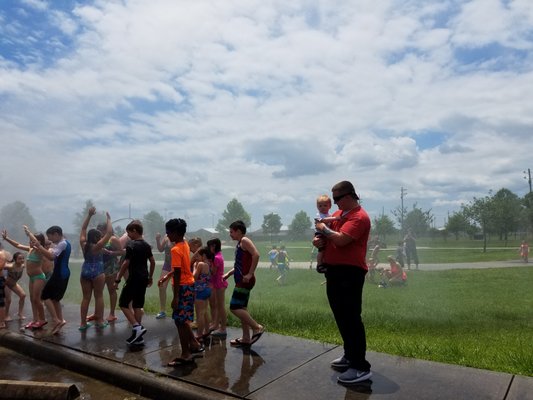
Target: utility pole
[[403, 192], [528, 178]]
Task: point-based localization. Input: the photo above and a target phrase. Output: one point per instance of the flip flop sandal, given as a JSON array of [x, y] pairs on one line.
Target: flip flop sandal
[[257, 336], [84, 327], [238, 342], [180, 361]]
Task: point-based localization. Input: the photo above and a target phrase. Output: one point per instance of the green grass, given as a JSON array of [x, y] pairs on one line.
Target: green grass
[[477, 318]]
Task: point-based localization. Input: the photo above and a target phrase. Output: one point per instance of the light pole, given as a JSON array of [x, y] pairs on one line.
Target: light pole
[[403, 192], [528, 177]]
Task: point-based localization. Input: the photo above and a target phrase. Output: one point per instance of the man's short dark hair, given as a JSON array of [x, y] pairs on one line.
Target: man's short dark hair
[[54, 229], [136, 226], [345, 187], [238, 226], [176, 225]]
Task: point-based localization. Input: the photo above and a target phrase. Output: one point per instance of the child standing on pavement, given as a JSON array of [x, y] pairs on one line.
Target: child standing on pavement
[[55, 288], [246, 259], [183, 292], [138, 254], [163, 245]]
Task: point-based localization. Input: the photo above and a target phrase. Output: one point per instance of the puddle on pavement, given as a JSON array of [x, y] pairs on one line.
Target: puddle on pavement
[[18, 367]]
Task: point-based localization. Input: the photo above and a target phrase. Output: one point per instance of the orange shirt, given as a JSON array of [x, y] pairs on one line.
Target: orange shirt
[[180, 258]]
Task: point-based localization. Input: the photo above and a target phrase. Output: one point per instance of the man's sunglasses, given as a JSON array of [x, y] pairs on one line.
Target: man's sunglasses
[[340, 196]]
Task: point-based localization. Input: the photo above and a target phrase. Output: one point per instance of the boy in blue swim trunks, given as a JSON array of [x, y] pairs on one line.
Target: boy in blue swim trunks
[[183, 292]]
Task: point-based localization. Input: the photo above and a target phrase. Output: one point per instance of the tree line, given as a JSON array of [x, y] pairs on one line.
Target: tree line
[[499, 213]]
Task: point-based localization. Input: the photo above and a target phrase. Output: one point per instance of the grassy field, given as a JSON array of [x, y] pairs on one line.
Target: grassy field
[[477, 318]]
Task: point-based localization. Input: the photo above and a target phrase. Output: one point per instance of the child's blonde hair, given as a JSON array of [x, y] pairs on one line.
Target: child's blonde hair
[[195, 242], [322, 198]]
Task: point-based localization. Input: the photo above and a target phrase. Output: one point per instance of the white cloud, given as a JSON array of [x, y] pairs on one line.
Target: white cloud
[[181, 106]]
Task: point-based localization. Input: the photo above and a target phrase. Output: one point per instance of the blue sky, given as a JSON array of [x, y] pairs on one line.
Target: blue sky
[[179, 106]]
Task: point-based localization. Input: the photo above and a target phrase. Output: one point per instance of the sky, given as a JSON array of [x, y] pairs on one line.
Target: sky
[[179, 106]]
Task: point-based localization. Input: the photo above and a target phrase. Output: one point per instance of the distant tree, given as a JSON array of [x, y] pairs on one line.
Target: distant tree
[[479, 211], [505, 212], [271, 224], [383, 226], [458, 223], [13, 216], [299, 225], [418, 220], [234, 211], [527, 211], [400, 214], [98, 218], [153, 223]]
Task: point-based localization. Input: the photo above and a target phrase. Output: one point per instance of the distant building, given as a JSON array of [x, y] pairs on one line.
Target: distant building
[[205, 234]]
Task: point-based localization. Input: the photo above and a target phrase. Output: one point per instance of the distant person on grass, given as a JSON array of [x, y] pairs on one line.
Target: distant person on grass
[[345, 246], [183, 292], [138, 254], [410, 249], [246, 259], [273, 257], [283, 265], [524, 251]]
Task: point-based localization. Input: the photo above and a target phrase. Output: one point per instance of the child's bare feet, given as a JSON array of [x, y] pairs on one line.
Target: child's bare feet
[[8, 318], [21, 317]]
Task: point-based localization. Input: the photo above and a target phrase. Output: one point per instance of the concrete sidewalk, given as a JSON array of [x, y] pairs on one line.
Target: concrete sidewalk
[[276, 367]]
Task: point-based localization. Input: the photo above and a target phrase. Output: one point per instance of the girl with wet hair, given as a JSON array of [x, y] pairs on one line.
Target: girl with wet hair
[[14, 272], [92, 278]]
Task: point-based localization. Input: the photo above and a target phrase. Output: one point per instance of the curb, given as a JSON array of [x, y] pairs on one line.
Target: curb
[[139, 381]]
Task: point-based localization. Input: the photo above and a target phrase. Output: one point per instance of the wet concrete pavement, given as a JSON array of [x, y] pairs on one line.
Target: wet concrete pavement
[[276, 367]]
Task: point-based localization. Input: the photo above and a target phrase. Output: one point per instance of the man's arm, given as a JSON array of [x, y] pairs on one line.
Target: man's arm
[[339, 239]]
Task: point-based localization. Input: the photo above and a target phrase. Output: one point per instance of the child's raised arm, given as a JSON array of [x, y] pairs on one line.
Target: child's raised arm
[[14, 243]]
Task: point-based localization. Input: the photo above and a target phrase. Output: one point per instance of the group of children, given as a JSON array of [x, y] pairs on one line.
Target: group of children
[[47, 266], [197, 274], [279, 258]]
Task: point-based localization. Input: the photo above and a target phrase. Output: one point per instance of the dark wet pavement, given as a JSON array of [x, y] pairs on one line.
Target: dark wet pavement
[[18, 367], [276, 367]]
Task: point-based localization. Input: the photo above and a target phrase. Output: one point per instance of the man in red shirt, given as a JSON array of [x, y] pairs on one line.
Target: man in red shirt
[[344, 257]]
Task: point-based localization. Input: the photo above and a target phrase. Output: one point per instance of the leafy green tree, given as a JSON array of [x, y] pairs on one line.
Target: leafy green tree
[[527, 211], [98, 218], [153, 223], [458, 223], [299, 225], [400, 213], [479, 211], [383, 226], [234, 211], [418, 220], [505, 212], [13, 216], [271, 224]]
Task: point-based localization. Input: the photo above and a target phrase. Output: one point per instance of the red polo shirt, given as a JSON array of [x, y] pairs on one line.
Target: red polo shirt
[[355, 224]]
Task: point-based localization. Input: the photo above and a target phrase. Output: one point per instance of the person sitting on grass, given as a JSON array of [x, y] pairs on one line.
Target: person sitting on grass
[[394, 275]]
